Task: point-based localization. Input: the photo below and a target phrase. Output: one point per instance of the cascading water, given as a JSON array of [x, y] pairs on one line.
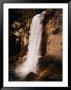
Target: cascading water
[[30, 65]]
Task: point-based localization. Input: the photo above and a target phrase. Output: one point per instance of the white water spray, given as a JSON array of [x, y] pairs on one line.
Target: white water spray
[[30, 65]]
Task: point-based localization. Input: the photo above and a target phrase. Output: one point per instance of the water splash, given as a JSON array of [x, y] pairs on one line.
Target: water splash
[[30, 65]]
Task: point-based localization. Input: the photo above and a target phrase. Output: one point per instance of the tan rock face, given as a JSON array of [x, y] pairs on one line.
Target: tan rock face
[[55, 37], [26, 40], [54, 46]]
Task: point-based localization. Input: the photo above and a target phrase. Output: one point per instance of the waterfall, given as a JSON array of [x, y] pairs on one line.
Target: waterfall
[[30, 65]]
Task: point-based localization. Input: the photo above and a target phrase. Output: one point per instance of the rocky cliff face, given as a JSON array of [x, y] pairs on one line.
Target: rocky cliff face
[[54, 32]]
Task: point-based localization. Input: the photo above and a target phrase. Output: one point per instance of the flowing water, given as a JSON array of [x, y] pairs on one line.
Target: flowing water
[[30, 65]]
